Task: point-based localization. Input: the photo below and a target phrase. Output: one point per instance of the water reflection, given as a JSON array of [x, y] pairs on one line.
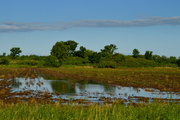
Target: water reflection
[[89, 91]]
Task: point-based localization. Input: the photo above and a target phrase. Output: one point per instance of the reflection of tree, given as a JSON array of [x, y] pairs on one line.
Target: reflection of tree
[[91, 86], [15, 83], [108, 88], [81, 86], [62, 87]]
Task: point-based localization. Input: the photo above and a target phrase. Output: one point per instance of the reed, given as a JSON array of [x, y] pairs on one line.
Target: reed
[[155, 111]]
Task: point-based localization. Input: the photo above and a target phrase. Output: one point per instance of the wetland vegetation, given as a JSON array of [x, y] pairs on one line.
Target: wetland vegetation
[[41, 104], [83, 84], [34, 111]]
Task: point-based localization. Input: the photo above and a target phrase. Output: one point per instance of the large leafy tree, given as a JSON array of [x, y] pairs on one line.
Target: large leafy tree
[[135, 53], [148, 55], [72, 46], [95, 57], [108, 50], [172, 59], [60, 50], [80, 52], [15, 51]]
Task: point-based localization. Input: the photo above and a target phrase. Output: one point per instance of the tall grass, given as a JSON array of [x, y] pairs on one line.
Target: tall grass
[[25, 111]]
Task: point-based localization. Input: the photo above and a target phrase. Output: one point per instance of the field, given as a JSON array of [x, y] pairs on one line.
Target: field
[[164, 79]]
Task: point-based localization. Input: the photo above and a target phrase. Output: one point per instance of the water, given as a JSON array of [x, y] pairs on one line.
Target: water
[[90, 91]]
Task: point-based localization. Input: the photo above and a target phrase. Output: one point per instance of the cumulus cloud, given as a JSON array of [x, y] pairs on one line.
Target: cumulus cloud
[[145, 21]]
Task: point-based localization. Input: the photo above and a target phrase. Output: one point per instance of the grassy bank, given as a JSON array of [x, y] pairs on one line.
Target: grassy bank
[[165, 79], [155, 111]]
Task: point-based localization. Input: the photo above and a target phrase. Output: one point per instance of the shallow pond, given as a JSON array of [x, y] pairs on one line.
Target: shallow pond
[[90, 91]]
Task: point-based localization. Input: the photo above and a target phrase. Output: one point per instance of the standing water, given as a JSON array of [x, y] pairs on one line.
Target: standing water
[[89, 91]]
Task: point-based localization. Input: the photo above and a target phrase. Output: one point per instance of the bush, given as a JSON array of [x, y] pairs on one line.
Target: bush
[[28, 62], [75, 61], [107, 64], [178, 62], [140, 62], [51, 61], [130, 63], [95, 57], [4, 61]]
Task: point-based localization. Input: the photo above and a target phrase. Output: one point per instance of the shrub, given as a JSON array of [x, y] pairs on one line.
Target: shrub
[[28, 62], [138, 62], [4, 61], [107, 64], [75, 61], [178, 62], [51, 61]]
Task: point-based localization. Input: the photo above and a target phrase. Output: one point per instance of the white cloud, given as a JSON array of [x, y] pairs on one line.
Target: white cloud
[[148, 21]]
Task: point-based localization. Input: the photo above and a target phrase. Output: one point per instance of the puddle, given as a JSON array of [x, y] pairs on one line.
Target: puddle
[[91, 92]]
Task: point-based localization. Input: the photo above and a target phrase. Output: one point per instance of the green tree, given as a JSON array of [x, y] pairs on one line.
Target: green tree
[[87, 53], [118, 58], [178, 62], [80, 52], [60, 50], [148, 55], [108, 50], [4, 54], [95, 57], [51, 61], [164, 59], [172, 59], [15, 51], [157, 58], [135, 53], [72, 46]]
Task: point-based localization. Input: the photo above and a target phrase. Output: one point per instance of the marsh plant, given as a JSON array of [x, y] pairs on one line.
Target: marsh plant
[[117, 111]]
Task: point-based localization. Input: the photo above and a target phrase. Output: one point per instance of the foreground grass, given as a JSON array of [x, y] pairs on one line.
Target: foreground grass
[[165, 79], [155, 111]]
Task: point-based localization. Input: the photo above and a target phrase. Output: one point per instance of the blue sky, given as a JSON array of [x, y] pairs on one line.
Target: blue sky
[[36, 25]]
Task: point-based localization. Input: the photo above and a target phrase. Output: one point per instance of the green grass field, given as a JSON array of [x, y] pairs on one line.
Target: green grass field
[[25, 111]]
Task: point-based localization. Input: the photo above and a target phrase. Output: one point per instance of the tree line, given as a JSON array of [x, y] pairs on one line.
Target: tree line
[[65, 53]]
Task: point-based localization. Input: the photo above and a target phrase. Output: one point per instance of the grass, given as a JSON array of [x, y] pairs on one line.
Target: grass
[[165, 79], [155, 111]]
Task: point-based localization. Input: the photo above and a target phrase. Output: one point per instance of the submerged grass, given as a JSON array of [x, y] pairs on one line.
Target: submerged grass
[[155, 111]]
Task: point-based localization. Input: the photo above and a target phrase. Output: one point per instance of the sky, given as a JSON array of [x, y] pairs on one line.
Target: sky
[[36, 25]]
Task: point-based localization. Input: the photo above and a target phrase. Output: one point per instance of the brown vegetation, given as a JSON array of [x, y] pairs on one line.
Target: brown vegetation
[[163, 79]]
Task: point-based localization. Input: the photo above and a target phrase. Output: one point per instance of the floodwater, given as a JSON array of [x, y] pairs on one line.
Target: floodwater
[[89, 91]]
